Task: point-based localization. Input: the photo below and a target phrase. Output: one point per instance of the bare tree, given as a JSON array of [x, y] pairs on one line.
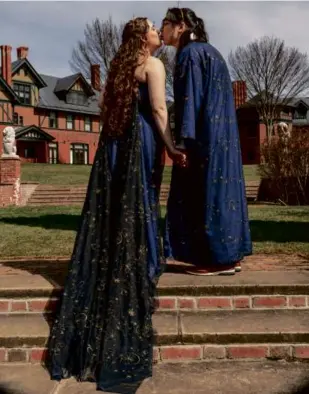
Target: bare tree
[[167, 56], [101, 42], [274, 73]]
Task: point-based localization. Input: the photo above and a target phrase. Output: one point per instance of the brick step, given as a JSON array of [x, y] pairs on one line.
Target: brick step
[[49, 305], [60, 192], [61, 188], [54, 189], [164, 191], [40, 293], [67, 202], [53, 194], [54, 197], [57, 198], [53, 204], [69, 196], [186, 335], [71, 191], [39, 199]]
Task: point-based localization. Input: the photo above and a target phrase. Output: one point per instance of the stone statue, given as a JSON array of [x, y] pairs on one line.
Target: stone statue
[[9, 143], [283, 131]]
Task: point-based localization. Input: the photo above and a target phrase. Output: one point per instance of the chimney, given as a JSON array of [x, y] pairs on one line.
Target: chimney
[[22, 52], [95, 76], [6, 63], [240, 93]]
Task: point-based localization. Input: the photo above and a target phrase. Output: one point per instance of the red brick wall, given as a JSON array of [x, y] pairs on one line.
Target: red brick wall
[[64, 137], [9, 182], [249, 134]]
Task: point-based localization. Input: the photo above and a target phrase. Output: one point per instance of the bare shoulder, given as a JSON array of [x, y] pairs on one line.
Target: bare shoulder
[[153, 64]]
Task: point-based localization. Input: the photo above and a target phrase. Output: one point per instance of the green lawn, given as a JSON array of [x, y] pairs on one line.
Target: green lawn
[[50, 231], [66, 174]]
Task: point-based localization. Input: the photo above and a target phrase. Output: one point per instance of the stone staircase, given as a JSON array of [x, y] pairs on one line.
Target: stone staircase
[[70, 195], [252, 315], [75, 195], [252, 189]]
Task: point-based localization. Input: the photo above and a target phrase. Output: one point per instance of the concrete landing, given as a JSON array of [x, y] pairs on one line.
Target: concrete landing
[[203, 378]]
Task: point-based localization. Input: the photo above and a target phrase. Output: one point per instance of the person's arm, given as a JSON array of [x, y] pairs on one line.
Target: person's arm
[[156, 85]]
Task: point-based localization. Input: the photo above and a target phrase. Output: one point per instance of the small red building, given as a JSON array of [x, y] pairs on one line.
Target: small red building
[[56, 119], [252, 130]]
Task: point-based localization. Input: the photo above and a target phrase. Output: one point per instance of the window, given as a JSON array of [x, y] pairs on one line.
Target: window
[[300, 113], [79, 154], [53, 153], [76, 98], [30, 152], [23, 92], [21, 121], [70, 122], [15, 118], [53, 120], [88, 126]]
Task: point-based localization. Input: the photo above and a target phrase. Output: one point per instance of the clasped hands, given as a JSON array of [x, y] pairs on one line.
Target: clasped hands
[[179, 155]]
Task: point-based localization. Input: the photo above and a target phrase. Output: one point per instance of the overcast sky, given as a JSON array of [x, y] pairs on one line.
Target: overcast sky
[[51, 29]]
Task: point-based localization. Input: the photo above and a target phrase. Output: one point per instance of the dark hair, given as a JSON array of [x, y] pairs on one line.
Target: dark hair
[[121, 84], [195, 25]]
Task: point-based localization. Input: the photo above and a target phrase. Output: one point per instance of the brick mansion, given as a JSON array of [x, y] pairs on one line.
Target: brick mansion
[[57, 119]]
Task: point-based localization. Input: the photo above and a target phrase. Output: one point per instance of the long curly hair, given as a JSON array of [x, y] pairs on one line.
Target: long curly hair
[[121, 85]]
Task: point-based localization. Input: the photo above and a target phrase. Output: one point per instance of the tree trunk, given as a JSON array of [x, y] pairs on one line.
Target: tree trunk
[[269, 129]]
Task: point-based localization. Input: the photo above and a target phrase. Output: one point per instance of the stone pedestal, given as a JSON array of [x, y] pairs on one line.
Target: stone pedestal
[[10, 181]]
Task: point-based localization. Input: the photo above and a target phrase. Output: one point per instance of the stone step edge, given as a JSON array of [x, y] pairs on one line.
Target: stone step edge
[[180, 353], [256, 302]]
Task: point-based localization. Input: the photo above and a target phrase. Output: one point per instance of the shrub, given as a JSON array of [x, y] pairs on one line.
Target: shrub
[[285, 165]]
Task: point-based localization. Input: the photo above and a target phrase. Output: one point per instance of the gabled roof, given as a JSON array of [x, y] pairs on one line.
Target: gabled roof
[[292, 102], [65, 84], [22, 131], [17, 64], [50, 87], [303, 100], [50, 100], [256, 99], [9, 90]]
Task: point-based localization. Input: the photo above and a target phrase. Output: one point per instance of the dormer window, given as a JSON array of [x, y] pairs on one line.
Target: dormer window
[[300, 112], [23, 92], [76, 98]]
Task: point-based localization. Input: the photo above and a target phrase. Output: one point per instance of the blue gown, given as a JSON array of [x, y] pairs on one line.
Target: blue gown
[[103, 331], [207, 215]]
